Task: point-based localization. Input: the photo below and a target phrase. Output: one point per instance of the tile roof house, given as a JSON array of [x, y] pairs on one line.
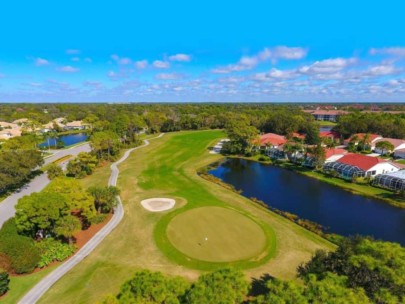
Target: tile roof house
[[328, 115], [360, 136], [370, 166], [334, 154], [397, 143], [271, 140], [75, 125]]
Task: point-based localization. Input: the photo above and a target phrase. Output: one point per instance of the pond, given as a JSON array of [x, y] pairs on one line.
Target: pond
[[336, 209], [69, 139]]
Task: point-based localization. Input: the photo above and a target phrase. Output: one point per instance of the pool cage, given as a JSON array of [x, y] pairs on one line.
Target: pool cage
[[345, 171], [394, 181]]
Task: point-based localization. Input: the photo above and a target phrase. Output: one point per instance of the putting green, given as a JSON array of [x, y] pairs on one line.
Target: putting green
[[216, 234]]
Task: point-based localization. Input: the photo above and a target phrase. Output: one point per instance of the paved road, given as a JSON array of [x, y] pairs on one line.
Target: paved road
[[38, 290], [7, 209]]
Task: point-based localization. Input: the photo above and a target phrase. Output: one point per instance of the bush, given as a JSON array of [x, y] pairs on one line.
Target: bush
[[54, 171], [20, 250], [264, 158], [52, 250], [4, 281], [99, 218]]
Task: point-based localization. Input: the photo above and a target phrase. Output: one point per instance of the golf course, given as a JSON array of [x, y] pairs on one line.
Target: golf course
[[209, 227]]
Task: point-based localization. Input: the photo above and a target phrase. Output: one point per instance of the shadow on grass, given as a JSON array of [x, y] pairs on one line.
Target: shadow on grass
[[259, 286]]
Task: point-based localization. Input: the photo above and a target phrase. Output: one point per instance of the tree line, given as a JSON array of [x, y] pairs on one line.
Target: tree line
[[361, 270]]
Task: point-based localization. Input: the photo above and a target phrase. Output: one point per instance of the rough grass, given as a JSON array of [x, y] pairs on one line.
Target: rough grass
[[217, 234], [167, 168]]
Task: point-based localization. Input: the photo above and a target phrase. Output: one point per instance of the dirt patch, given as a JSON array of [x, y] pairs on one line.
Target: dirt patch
[[83, 236]]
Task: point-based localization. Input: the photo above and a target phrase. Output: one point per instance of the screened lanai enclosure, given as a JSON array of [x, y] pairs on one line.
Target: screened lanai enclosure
[[345, 171], [393, 181]]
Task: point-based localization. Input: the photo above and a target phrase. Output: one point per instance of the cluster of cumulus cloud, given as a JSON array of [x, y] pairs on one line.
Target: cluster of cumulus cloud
[[278, 73]]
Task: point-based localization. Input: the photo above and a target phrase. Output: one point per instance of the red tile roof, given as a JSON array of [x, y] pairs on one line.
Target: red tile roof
[[329, 112], [298, 135], [336, 151], [331, 134], [360, 136], [272, 139], [364, 162]]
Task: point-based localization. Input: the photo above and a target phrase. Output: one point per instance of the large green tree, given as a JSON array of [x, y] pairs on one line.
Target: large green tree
[[40, 212], [221, 286], [152, 287]]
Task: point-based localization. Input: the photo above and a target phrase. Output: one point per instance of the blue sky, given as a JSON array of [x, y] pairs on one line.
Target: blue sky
[[275, 51]]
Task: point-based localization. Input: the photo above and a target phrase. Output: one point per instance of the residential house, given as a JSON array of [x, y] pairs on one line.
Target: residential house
[[399, 153], [360, 165], [75, 125], [397, 143], [356, 138], [272, 144]]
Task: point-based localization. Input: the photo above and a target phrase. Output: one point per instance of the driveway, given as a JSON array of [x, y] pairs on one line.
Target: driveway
[[7, 209]]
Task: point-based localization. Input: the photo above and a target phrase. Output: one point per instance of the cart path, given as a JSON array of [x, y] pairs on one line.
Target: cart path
[[42, 286]]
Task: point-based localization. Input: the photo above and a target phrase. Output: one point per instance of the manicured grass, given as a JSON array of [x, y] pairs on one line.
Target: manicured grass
[[19, 285], [217, 234], [99, 177], [401, 161], [167, 168], [324, 123]]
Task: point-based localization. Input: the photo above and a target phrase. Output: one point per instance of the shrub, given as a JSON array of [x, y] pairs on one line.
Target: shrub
[[20, 250], [4, 281], [99, 218], [54, 171], [52, 250]]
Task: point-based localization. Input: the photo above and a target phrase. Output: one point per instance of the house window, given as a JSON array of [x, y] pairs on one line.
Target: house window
[[373, 172]]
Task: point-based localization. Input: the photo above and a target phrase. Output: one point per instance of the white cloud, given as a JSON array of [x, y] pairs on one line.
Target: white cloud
[[2, 75], [273, 54], [290, 53], [121, 60], [68, 69], [41, 62], [75, 59], [88, 59], [141, 64], [393, 51], [168, 76], [93, 84], [381, 70], [161, 64], [180, 57], [327, 66], [72, 51]]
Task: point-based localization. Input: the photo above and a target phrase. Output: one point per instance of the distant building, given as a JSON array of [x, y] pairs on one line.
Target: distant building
[[327, 115], [76, 125]]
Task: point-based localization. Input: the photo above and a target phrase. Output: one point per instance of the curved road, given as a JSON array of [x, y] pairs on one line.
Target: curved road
[[38, 183], [38, 290]]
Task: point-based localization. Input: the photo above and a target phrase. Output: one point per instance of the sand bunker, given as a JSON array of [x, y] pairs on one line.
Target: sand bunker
[[158, 204]]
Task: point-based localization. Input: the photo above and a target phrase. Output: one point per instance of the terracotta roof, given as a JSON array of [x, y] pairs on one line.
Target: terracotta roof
[[298, 135], [360, 136], [332, 134], [394, 141], [364, 162], [336, 151], [272, 139]]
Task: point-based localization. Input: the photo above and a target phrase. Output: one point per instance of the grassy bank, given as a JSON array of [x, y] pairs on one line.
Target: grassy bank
[[167, 168]]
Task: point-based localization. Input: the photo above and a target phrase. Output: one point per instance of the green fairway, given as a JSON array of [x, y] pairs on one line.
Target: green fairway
[[216, 234], [167, 168]]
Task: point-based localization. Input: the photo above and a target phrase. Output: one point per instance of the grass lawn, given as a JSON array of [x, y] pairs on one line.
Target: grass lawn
[[218, 235], [167, 168], [401, 161], [324, 123], [19, 285]]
